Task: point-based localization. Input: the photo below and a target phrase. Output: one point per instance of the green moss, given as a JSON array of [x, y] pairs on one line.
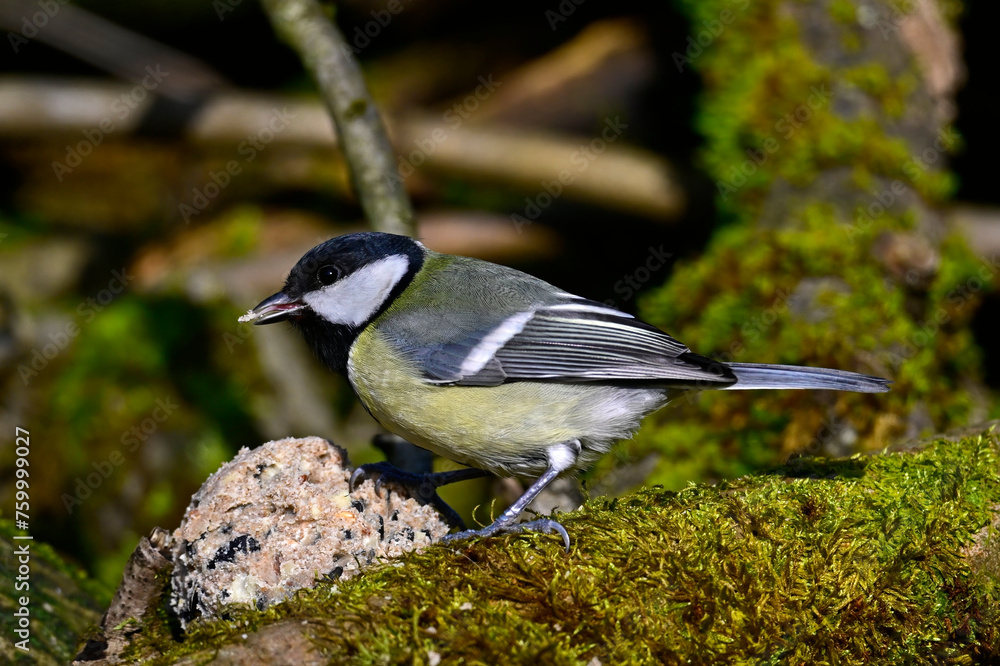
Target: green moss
[[62, 601], [239, 231], [762, 81], [736, 302], [891, 92], [15, 229], [136, 405], [843, 11], [854, 561], [803, 189]]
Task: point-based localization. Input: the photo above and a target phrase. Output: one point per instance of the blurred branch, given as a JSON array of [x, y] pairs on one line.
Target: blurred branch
[[543, 163], [600, 68], [366, 147], [112, 48], [621, 178], [981, 226]]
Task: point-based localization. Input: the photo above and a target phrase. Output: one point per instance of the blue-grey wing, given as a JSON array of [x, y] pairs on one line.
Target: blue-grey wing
[[492, 324], [575, 341]]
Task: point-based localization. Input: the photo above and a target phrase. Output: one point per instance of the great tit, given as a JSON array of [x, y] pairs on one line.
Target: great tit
[[494, 368]]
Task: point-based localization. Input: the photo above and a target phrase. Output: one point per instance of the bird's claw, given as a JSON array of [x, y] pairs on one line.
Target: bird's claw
[[421, 487], [382, 469], [546, 525]]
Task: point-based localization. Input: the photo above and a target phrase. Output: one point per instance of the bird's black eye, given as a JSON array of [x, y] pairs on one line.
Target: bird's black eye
[[328, 275]]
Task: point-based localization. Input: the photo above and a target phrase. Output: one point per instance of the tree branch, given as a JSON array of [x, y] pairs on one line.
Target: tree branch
[[366, 146]]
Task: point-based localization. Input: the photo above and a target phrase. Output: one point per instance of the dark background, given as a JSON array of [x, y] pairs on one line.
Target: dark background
[[595, 248]]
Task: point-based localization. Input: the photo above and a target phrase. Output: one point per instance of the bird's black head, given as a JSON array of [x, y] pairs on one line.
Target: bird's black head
[[339, 286]]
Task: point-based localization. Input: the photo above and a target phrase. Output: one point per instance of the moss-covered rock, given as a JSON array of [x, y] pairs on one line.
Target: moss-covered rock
[[882, 559], [61, 602], [828, 142]]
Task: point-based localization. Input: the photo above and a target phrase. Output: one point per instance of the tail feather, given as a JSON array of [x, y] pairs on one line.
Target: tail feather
[[767, 376]]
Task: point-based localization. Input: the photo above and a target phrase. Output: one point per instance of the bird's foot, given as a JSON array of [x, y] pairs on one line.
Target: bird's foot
[[500, 526], [421, 487]]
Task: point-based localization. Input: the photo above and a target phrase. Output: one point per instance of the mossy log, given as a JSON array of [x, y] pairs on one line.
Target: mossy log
[[891, 558], [827, 126]]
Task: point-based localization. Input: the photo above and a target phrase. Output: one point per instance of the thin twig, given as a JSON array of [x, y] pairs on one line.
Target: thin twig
[[367, 150]]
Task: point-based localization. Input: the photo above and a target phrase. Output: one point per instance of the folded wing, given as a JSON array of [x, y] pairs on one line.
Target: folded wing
[[575, 341]]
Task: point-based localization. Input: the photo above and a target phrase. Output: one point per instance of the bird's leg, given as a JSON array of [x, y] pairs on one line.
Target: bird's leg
[[561, 457], [422, 487]]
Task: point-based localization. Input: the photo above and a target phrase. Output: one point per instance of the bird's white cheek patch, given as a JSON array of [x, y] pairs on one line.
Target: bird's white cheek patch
[[353, 299]]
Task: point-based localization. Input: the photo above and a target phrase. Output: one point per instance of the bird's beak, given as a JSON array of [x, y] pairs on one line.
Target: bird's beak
[[278, 307]]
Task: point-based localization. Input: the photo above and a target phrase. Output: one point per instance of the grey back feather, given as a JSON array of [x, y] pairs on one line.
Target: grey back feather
[[526, 329]]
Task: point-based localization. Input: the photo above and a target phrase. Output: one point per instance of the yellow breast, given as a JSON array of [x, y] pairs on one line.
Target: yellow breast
[[505, 429]]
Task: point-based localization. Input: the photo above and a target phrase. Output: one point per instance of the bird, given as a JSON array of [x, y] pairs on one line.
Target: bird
[[494, 368]]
